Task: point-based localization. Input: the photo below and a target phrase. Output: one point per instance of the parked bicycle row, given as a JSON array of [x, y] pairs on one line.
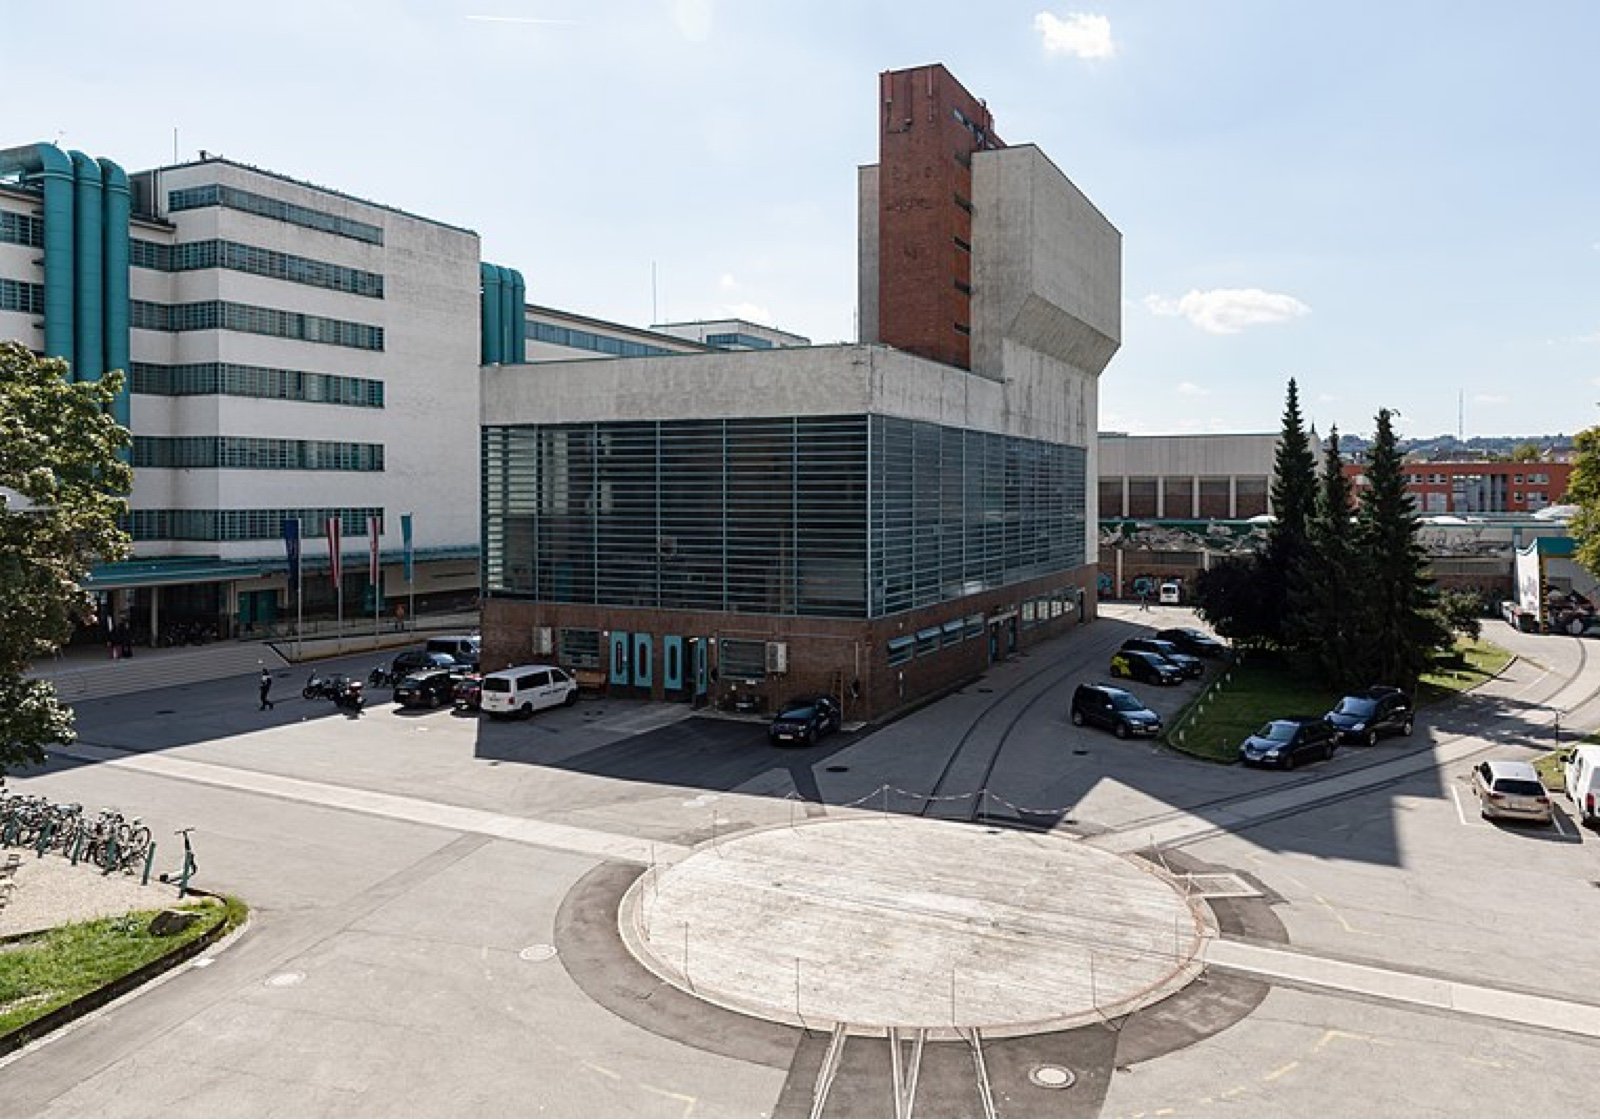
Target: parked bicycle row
[[107, 840]]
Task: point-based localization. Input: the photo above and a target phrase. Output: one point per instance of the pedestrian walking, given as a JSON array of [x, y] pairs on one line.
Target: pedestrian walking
[[1144, 598], [266, 687]]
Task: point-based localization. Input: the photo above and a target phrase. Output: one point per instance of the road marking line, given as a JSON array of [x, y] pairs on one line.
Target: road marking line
[[1555, 819], [1280, 1071], [1460, 816]]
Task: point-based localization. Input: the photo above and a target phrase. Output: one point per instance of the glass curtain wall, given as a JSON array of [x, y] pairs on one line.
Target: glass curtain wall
[[842, 516]]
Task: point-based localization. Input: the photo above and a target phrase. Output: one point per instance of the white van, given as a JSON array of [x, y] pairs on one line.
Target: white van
[[526, 689], [1171, 593], [1582, 774]]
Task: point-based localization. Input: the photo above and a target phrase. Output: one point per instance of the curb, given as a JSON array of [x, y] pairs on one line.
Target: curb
[[90, 1001]]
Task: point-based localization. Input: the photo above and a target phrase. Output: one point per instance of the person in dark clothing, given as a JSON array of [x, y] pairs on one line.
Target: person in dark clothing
[[266, 687]]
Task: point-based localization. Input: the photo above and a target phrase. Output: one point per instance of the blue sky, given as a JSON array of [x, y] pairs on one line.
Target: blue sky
[[1392, 202]]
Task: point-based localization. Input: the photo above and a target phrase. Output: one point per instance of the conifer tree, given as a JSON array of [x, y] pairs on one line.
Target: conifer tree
[[1402, 623]]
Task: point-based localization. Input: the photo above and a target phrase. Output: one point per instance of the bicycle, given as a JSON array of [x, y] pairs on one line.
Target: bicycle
[[184, 874]]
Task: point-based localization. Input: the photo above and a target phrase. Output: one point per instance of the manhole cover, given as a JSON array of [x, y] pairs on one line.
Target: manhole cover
[[538, 952], [285, 979], [837, 769], [1052, 1077]]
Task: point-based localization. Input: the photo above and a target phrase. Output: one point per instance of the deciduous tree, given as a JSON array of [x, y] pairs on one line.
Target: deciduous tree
[[62, 486]]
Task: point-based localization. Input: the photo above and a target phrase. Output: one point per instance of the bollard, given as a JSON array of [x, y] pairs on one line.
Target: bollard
[[149, 858], [45, 833]]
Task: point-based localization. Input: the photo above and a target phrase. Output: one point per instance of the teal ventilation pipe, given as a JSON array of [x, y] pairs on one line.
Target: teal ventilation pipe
[[508, 314], [88, 277], [516, 330], [50, 165], [117, 310], [490, 312]]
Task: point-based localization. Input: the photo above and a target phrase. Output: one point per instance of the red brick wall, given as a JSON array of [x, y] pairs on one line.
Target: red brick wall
[[924, 177], [825, 655]]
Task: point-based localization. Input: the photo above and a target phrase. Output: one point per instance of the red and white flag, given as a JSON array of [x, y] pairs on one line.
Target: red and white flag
[[333, 551], [374, 527]]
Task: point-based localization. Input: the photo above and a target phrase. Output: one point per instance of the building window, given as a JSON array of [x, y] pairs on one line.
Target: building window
[[575, 339], [229, 379], [963, 245], [974, 624], [232, 198], [962, 328], [19, 295], [964, 203], [738, 341], [741, 658], [580, 648], [954, 632], [241, 524], [210, 315], [22, 229], [251, 453], [927, 641], [963, 287], [193, 255], [901, 649]]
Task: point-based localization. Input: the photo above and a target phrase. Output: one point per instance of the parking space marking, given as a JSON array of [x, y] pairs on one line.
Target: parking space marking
[[1555, 819], [1460, 816]]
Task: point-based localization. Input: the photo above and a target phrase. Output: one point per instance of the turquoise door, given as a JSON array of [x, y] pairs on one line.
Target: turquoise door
[[642, 645], [702, 681], [672, 663], [619, 657]]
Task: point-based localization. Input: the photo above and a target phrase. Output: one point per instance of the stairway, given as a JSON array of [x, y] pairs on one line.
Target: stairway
[[80, 679]]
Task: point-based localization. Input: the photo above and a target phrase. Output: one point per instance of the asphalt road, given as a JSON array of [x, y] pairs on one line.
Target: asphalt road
[[436, 902]]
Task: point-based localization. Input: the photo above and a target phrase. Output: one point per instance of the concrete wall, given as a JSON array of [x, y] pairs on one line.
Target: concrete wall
[[1186, 455], [1047, 266], [867, 254]]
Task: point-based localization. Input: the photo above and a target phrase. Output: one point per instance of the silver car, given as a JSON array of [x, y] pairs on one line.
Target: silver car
[[1511, 790]]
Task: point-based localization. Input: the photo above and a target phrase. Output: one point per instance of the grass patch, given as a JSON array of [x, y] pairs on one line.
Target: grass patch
[[1550, 769], [41, 974], [1267, 685], [1470, 664], [1262, 686]]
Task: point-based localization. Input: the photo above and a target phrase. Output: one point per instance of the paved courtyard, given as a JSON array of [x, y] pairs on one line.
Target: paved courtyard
[[617, 910]]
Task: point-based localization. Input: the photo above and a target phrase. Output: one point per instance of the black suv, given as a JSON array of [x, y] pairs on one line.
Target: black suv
[[1116, 708], [1286, 743], [1192, 641], [426, 688], [1189, 664], [1362, 717], [1151, 668], [804, 720], [413, 660]]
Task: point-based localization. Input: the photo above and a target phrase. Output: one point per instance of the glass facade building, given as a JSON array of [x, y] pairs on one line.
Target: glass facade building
[[837, 516]]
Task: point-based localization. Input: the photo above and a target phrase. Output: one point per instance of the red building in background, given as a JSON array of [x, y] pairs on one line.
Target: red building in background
[[1464, 488]]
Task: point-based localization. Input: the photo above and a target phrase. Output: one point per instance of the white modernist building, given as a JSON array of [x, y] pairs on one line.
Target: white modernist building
[[294, 354]]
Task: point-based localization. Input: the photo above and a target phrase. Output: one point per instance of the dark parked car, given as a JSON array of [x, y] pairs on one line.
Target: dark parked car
[[804, 720], [1362, 717], [1151, 668], [1188, 663], [1106, 705], [468, 692], [426, 688], [1286, 743], [413, 659], [1191, 641]]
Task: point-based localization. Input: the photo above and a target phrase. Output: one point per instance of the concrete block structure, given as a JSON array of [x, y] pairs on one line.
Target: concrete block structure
[[878, 520]]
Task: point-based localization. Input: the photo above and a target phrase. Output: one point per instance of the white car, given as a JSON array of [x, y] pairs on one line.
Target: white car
[[1511, 790]]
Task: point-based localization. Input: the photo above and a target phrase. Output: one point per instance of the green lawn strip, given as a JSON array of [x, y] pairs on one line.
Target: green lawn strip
[[1550, 769], [1266, 685], [40, 974]]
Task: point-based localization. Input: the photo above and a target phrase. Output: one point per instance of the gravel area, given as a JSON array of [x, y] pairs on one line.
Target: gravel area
[[49, 891]]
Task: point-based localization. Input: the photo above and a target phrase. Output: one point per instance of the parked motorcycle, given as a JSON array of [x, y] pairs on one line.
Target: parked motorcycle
[[382, 677], [345, 691]]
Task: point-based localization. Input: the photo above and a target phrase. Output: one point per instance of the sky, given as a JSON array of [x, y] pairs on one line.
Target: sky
[[1392, 203]]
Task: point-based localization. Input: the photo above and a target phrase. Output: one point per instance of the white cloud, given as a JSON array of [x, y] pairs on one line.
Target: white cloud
[[1228, 310], [693, 18], [1190, 389], [750, 312], [1080, 34], [727, 283]]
